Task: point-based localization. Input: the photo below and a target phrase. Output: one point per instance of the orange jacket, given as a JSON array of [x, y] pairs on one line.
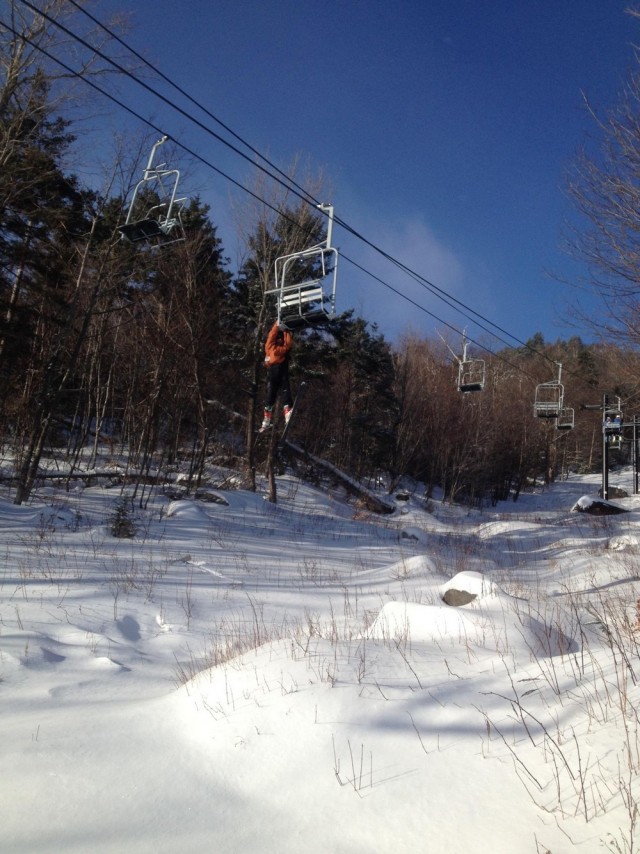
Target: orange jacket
[[277, 345]]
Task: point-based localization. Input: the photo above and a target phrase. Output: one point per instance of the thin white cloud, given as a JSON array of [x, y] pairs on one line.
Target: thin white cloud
[[413, 243]]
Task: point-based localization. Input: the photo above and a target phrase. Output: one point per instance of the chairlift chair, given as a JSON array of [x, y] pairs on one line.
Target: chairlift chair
[[471, 372], [612, 427], [305, 300], [162, 222], [612, 422], [566, 419], [549, 400]]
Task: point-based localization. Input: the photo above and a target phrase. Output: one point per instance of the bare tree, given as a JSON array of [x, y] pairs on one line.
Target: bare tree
[[605, 186]]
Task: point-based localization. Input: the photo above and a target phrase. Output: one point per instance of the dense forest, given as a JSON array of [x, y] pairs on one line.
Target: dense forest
[[153, 353]]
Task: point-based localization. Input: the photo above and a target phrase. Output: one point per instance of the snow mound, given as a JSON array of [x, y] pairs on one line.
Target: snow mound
[[597, 507], [494, 621], [584, 503], [420, 623], [428, 525], [188, 510], [414, 567], [497, 529], [623, 542]]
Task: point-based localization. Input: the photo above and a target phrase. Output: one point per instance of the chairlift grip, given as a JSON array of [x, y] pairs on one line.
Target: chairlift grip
[[153, 154]]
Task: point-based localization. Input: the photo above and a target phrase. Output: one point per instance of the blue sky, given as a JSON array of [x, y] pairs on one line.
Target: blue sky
[[444, 130]]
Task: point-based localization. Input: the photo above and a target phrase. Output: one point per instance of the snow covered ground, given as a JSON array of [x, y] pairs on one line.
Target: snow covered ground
[[243, 677]]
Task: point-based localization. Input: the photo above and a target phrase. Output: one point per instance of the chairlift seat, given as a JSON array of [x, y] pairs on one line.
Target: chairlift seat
[[298, 321], [303, 304], [471, 372], [546, 410], [468, 387], [144, 229], [471, 376]]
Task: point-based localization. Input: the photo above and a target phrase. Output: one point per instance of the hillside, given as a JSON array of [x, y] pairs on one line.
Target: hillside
[[244, 677]]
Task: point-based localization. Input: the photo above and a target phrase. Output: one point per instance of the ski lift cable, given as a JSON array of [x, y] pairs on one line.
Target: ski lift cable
[[140, 117], [303, 194], [240, 186], [306, 197], [191, 99], [435, 290], [424, 282], [152, 124], [440, 320]]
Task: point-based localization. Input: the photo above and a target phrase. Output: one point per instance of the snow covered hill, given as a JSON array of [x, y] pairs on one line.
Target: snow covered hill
[[243, 677]]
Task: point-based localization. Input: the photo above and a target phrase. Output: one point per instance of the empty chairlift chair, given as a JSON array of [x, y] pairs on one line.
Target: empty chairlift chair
[[549, 400], [566, 419], [158, 223], [471, 373], [305, 282]]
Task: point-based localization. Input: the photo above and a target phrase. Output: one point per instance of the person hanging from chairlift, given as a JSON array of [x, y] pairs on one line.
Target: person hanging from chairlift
[[277, 348]]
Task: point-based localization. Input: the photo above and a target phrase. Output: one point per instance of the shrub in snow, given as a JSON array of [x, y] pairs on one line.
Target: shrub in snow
[[122, 524]]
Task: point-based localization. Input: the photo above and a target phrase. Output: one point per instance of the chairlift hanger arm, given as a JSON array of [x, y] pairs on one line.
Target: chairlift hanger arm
[[152, 155], [328, 209]]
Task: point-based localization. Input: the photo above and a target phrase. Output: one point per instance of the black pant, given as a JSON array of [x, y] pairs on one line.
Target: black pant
[[278, 381]]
